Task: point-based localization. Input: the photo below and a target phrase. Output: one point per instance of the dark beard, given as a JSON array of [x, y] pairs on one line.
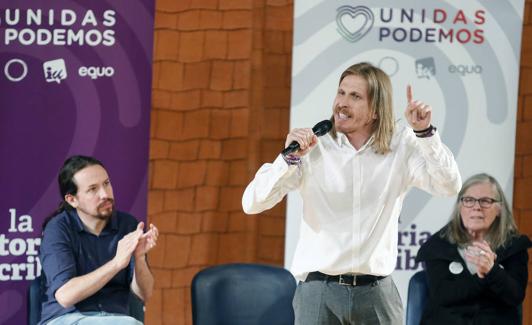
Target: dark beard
[[108, 213]]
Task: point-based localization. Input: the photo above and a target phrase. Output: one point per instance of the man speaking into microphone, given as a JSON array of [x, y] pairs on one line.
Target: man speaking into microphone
[[353, 181]]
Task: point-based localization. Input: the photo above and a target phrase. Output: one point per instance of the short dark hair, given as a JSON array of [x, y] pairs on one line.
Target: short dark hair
[[66, 183]]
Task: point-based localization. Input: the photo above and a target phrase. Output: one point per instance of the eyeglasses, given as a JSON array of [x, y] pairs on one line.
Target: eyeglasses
[[484, 202]]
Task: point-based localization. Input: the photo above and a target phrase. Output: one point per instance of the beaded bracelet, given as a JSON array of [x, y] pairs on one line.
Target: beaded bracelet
[[292, 160]]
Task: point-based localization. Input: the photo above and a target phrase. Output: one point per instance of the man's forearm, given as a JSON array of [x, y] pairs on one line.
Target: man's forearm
[[142, 284], [82, 287]]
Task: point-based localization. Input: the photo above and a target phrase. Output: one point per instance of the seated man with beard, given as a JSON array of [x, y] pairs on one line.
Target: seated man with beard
[[92, 255]]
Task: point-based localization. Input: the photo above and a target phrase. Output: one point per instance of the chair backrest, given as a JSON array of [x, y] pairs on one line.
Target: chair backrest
[[136, 307], [418, 295], [38, 288], [239, 294], [35, 293]]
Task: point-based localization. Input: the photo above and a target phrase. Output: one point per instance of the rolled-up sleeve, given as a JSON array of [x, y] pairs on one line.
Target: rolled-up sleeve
[[57, 256]]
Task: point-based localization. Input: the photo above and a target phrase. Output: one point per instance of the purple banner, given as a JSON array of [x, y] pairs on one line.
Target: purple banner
[[75, 78]]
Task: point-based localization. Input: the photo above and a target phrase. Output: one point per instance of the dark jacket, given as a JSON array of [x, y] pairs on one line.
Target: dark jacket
[[464, 298]]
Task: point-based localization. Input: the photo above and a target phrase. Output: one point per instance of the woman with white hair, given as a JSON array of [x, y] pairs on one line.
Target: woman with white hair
[[477, 264]]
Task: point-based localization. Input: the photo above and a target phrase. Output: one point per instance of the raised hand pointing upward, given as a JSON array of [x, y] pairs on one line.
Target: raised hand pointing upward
[[417, 113]]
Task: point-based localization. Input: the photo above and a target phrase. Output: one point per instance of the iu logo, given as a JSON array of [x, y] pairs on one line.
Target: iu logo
[[425, 68], [55, 70]]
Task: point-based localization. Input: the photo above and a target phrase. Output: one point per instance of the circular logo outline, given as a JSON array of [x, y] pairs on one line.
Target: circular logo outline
[[24, 70], [395, 62]]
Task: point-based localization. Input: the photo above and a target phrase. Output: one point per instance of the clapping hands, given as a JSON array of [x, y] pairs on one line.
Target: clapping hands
[[481, 255]]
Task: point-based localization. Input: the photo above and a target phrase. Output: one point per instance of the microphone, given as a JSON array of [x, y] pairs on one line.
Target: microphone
[[319, 129]]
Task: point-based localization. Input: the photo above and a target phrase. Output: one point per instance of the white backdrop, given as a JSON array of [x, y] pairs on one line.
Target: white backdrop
[[461, 57]]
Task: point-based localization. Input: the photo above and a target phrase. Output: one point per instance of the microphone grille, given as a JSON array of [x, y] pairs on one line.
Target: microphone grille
[[322, 127]]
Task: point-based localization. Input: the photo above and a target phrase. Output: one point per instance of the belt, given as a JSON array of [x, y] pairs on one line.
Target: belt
[[344, 279]]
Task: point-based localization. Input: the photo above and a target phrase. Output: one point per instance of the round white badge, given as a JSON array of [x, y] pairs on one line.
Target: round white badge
[[456, 267]]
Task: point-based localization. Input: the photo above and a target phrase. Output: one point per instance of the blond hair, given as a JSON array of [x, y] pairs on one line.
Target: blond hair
[[380, 102]]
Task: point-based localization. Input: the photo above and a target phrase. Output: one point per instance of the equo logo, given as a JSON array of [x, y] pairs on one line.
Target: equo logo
[[462, 69], [96, 72], [354, 22]]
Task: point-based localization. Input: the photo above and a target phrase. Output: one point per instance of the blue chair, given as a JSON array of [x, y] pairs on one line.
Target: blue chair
[[418, 295], [35, 294], [243, 294], [38, 288]]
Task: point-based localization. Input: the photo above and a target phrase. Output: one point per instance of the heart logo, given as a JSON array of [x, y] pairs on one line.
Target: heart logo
[[354, 22]]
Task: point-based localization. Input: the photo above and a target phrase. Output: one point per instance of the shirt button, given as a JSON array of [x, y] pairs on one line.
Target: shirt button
[[100, 306]]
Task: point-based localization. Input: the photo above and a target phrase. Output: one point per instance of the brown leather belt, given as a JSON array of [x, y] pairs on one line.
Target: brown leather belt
[[344, 279]]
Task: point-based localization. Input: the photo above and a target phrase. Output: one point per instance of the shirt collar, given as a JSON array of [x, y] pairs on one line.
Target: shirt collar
[[112, 225], [341, 140], [76, 220]]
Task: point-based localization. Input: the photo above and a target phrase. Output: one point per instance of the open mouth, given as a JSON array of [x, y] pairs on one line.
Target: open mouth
[[342, 116]]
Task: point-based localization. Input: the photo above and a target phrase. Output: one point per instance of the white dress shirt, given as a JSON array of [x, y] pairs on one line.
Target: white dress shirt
[[352, 198]]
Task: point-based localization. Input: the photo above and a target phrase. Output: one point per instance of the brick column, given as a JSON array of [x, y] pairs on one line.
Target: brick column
[[523, 152], [221, 85]]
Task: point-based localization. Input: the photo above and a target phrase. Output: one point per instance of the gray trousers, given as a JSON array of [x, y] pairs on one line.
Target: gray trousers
[[321, 302], [94, 318]]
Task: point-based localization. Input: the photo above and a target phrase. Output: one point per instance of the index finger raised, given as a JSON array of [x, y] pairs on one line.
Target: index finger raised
[[409, 93]]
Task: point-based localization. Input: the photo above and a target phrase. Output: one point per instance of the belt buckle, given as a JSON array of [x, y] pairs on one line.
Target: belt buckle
[[343, 281]]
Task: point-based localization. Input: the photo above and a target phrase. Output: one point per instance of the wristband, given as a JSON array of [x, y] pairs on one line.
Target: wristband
[[292, 160], [426, 133]]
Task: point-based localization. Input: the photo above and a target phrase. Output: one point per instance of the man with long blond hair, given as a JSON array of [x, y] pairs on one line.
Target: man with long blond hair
[[353, 182]]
